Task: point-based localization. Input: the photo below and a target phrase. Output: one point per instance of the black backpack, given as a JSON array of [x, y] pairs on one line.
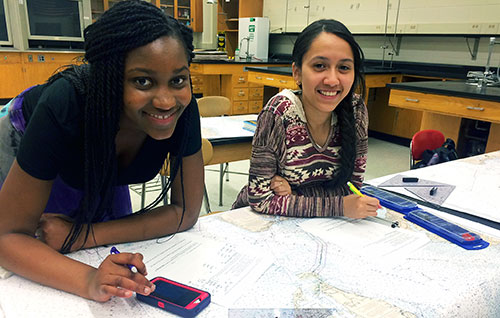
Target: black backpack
[[444, 153]]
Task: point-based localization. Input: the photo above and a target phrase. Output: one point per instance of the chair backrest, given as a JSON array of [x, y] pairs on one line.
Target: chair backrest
[[207, 150], [212, 106], [425, 139]]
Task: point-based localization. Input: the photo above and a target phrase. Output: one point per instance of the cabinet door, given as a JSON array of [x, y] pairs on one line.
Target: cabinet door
[[190, 13], [197, 15], [240, 107], [318, 10], [297, 15], [167, 6], [39, 67], [406, 122], [276, 11], [239, 80], [12, 82], [449, 17]]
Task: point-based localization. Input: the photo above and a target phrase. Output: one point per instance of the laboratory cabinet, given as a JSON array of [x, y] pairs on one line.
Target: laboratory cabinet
[[25, 69], [296, 15], [370, 16], [231, 80], [188, 12], [451, 114], [276, 11]]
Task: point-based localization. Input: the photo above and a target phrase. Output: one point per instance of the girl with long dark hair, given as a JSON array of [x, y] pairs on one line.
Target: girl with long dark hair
[[309, 143], [70, 148]]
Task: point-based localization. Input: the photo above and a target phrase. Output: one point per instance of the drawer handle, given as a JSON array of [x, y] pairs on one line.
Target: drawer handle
[[475, 108], [241, 93], [269, 78], [258, 77], [241, 80], [413, 100], [284, 82]]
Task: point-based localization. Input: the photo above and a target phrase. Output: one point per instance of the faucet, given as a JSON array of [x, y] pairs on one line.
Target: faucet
[[247, 54], [490, 52], [486, 78]]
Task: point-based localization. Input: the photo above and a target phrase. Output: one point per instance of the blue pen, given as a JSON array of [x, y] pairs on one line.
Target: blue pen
[[114, 250]]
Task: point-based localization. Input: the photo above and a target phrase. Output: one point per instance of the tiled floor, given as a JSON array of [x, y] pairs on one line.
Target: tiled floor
[[383, 158]]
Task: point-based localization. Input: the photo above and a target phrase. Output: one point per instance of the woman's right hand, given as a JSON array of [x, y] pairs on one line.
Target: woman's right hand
[[280, 186], [114, 278], [356, 207]]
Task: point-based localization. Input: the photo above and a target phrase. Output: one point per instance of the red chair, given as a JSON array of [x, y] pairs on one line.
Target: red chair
[[422, 140]]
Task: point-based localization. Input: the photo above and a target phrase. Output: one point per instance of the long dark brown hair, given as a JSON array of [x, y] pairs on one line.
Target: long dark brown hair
[[344, 110]]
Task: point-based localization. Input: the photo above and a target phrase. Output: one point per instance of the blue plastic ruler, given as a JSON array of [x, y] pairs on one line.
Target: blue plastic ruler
[[432, 223]]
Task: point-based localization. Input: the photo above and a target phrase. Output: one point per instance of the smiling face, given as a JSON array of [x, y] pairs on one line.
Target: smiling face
[[326, 74], [156, 88]]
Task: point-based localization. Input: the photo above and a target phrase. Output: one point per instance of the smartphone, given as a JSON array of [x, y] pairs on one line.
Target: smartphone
[[177, 298]]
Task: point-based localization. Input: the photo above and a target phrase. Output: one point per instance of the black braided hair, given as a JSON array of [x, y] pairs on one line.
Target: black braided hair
[[344, 110], [127, 25]]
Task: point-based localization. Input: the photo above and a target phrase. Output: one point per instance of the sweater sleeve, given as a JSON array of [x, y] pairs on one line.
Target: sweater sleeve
[[361, 125], [268, 152]]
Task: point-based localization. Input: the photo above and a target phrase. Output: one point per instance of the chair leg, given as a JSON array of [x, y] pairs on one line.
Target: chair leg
[[207, 201], [411, 157], [221, 183], [143, 195]]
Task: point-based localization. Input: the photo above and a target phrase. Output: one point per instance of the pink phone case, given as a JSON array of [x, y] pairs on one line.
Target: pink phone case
[[177, 298]]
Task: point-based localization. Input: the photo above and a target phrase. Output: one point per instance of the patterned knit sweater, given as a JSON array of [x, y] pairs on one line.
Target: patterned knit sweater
[[282, 146]]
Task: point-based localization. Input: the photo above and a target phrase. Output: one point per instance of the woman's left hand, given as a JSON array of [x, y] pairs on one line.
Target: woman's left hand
[[280, 186], [53, 229]]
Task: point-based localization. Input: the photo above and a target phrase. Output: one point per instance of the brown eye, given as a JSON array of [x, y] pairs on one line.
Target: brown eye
[[143, 82], [345, 68], [319, 66], [179, 81]]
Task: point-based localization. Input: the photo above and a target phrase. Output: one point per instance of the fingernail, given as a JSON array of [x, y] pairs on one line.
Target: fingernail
[[147, 290], [153, 288]]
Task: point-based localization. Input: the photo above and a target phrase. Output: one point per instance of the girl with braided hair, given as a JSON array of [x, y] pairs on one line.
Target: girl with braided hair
[[309, 143], [70, 147]]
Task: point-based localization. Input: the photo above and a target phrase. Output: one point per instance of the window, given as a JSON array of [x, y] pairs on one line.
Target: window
[[4, 24], [54, 18]]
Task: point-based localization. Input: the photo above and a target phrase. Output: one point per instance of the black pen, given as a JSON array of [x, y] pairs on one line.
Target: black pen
[[433, 190]]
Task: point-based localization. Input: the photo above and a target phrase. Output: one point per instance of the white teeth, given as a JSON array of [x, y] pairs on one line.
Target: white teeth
[[158, 116], [329, 93]]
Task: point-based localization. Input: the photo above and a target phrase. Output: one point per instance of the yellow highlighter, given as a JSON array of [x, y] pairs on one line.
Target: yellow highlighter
[[354, 189]]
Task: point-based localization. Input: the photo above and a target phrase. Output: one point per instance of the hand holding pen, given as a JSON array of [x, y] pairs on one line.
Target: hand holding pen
[[114, 250], [359, 206], [115, 278], [361, 195]]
